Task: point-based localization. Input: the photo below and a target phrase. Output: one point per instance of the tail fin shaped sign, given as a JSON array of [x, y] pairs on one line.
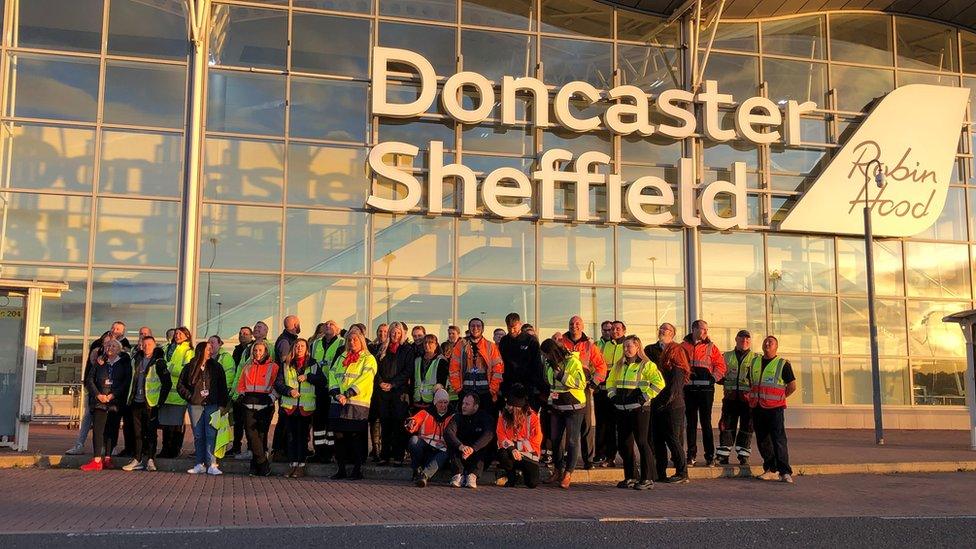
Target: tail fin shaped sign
[[914, 132]]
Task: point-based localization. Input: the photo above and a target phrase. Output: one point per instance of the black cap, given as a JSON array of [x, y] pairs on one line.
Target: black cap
[[744, 333]]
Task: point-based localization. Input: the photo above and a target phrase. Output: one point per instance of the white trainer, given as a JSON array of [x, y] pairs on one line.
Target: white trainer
[[150, 465], [456, 481], [471, 481], [787, 478], [214, 470], [197, 469], [134, 465]]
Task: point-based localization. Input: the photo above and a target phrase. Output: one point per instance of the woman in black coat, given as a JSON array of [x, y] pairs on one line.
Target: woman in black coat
[[107, 382]]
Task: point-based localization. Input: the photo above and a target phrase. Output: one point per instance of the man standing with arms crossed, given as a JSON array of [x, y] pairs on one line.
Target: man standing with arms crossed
[[707, 365], [735, 425], [595, 369], [772, 382]]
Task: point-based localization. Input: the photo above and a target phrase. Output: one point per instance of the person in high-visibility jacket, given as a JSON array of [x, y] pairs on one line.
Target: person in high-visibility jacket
[[297, 402], [476, 365], [707, 366], [772, 381], [430, 373], [595, 368], [606, 442], [735, 424], [224, 358], [172, 412], [567, 400], [428, 449], [351, 388], [519, 437], [324, 352], [255, 385], [633, 382], [150, 385]]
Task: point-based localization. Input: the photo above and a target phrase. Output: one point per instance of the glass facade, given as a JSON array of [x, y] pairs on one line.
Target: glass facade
[[95, 95]]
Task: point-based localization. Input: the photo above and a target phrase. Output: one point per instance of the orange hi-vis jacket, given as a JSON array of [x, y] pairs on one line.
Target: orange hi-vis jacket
[[430, 428], [526, 438], [463, 374], [594, 365]]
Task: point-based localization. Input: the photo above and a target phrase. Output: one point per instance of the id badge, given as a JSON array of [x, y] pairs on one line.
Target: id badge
[[204, 393], [108, 382]]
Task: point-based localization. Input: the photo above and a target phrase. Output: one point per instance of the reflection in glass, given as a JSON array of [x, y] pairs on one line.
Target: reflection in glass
[[861, 38], [225, 302], [580, 17], [817, 379], [343, 300], [858, 388], [330, 45], [852, 270], [502, 250], [243, 169], [325, 241], [796, 37], [48, 157], [735, 36], [497, 139], [240, 237], [723, 155], [436, 44], [491, 302], [732, 261], [939, 382], [968, 51], [928, 336], [137, 232], [926, 45], [142, 298], [558, 304], [512, 14], [737, 74], [144, 94], [652, 69], [325, 109], [650, 257], [650, 150], [937, 270], [412, 245], [353, 6], [148, 29], [248, 37], [415, 301], [577, 143], [568, 60], [146, 164], [327, 176], [800, 263], [45, 227], [794, 159], [804, 324], [419, 134], [65, 316], [497, 54], [890, 314], [797, 80], [639, 27], [60, 24], [644, 310], [246, 103], [951, 224], [45, 86], [576, 253], [434, 10], [727, 313]]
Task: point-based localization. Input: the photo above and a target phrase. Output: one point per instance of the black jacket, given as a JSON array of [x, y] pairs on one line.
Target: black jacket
[[239, 352], [283, 345], [476, 431], [396, 369], [523, 363], [193, 380], [158, 361], [105, 379]]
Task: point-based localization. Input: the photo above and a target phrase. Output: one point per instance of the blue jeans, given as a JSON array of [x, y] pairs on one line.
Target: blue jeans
[[563, 424], [425, 457], [204, 435]]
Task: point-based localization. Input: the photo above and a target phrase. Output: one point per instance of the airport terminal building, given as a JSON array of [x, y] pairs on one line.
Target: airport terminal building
[[215, 163]]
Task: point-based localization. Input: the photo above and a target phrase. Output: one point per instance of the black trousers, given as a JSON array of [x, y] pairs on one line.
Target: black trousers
[[698, 406], [279, 441], [667, 435], [322, 440], [256, 425], [475, 464], [296, 433], [588, 429], [238, 427], [128, 430], [770, 426], [144, 426], [529, 468], [735, 429], [172, 441], [606, 432], [105, 428], [392, 415], [350, 448], [634, 428]]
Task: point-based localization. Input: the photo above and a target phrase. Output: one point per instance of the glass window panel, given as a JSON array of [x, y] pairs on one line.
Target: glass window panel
[[226, 302], [577, 143], [419, 134], [325, 241], [639, 27], [143, 163], [502, 250], [727, 313], [796, 37], [800, 263], [413, 245], [804, 324], [434, 10], [928, 336], [48, 157], [243, 169], [511, 14], [353, 6], [968, 51], [797, 80], [147, 29], [240, 237], [248, 37], [858, 388], [498, 139], [45, 227], [559, 303], [890, 314], [650, 257], [491, 302], [579, 17], [421, 302], [497, 54], [568, 60], [905, 78], [644, 310], [144, 94], [436, 44], [795, 159], [53, 87], [650, 150], [861, 38], [60, 24], [576, 253], [137, 232], [327, 176], [324, 109], [817, 379], [737, 74], [652, 69], [142, 298], [732, 261], [343, 300], [246, 103], [735, 36], [926, 45], [937, 270], [951, 224], [939, 382], [852, 270], [65, 315], [723, 155], [330, 45]]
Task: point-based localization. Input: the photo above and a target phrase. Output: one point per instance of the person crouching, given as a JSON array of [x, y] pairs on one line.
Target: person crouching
[[428, 450]]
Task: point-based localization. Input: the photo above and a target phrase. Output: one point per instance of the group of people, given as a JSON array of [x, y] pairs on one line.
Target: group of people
[[470, 401]]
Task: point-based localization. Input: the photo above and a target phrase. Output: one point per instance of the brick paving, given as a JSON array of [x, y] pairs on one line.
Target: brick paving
[[39, 500]]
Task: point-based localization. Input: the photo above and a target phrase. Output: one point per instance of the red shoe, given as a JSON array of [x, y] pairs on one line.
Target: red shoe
[[107, 462], [92, 466]]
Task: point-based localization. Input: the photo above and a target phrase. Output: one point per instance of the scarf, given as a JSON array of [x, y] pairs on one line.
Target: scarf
[[351, 358]]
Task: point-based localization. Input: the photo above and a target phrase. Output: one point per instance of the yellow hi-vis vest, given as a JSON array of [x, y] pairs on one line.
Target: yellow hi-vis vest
[[573, 382], [423, 385], [182, 355], [738, 374], [306, 391], [226, 361], [325, 356], [355, 382], [625, 376], [153, 385]]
